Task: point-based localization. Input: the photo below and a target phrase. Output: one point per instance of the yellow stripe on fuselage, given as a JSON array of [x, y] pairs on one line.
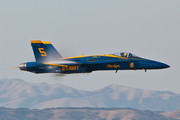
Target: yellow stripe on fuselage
[[36, 41], [98, 56], [93, 56], [52, 64], [46, 42]]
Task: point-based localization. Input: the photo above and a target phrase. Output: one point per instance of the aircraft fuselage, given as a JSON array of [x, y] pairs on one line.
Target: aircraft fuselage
[[87, 64]]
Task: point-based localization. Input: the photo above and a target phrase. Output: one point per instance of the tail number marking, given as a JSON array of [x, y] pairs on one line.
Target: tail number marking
[[43, 53]]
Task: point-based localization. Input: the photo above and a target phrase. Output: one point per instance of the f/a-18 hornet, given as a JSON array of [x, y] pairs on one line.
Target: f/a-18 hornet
[[48, 60]]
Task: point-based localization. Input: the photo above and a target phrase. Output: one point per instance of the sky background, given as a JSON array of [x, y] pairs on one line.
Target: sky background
[[147, 28]]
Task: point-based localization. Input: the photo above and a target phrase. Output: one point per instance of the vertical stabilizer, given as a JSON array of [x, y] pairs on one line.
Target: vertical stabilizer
[[44, 51]]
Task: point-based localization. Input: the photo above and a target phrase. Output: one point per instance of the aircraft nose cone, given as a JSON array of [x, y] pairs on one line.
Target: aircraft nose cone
[[162, 65]]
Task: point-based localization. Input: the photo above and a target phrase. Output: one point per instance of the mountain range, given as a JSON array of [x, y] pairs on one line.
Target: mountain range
[[15, 93], [85, 114]]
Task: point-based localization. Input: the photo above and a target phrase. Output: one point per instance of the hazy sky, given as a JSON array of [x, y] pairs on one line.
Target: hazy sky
[[147, 28]]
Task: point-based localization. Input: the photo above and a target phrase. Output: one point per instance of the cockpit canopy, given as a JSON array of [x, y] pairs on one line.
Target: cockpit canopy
[[125, 54]]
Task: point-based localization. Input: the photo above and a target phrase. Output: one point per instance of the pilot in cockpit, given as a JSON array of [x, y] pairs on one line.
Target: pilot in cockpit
[[125, 54], [122, 54]]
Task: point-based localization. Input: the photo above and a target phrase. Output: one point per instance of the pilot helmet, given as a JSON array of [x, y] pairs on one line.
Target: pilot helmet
[[125, 54]]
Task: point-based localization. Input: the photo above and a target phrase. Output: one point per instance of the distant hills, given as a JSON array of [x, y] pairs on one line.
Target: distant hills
[[16, 93], [85, 114]]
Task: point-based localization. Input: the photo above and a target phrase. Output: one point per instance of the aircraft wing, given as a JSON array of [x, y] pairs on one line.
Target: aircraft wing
[[65, 63]]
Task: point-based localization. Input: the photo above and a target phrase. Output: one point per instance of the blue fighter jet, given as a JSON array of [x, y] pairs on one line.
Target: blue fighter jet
[[48, 60]]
